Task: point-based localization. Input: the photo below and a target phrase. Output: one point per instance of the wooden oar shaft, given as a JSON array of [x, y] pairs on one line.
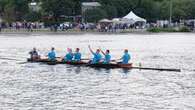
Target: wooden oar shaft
[[158, 69], [9, 59], [85, 59]]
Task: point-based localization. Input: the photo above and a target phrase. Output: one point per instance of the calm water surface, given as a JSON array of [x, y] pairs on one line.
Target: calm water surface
[[31, 86]]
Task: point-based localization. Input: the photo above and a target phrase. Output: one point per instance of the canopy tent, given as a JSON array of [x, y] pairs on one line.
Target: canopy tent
[[105, 21], [132, 18], [117, 20]]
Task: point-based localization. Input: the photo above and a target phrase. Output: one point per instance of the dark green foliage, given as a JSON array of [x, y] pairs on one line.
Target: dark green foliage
[[157, 30], [94, 15], [33, 16], [152, 10], [13, 10], [184, 29]]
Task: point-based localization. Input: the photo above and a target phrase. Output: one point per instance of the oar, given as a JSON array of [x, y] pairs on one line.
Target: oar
[[13, 59], [23, 62], [158, 69], [148, 68], [81, 59], [85, 59], [4, 58]]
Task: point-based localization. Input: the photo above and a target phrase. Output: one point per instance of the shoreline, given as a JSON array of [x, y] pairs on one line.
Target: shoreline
[[76, 32]]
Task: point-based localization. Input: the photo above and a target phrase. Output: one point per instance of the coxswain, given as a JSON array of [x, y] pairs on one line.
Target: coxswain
[[34, 54]]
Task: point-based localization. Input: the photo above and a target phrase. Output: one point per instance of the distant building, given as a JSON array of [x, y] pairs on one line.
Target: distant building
[[35, 6], [88, 6]]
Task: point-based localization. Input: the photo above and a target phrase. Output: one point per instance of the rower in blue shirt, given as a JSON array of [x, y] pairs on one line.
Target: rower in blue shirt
[[107, 56], [52, 55], [126, 57], [77, 55], [69, 56], [96, 56]]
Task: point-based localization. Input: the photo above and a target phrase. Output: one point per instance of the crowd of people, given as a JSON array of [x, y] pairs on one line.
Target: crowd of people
[[99, 27], [99, 56], [115, 27], [29, 26]]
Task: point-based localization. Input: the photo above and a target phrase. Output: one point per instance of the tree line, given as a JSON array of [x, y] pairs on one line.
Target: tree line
[[64, 10]]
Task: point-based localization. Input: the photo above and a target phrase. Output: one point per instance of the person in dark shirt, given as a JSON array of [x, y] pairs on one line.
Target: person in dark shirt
[[34, 54]]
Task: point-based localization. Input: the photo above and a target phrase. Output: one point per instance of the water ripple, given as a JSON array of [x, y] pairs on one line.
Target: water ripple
[[64, 87]]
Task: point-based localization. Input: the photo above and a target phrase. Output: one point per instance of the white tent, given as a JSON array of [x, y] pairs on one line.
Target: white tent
[[132, 18], [117, 20], [105, 21]]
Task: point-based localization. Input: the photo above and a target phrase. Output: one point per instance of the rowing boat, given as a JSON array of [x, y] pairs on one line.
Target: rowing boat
[[100, 65], [111, 65], [82, 63], [58, 61]]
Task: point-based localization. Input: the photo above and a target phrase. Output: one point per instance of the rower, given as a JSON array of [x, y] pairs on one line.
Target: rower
[[107, 56], [34, 54], [126, 57], [52, 55], [69, 56], [77, 55], [96, 56]]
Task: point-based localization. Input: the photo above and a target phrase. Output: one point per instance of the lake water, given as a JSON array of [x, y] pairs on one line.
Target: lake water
[[35, 86]]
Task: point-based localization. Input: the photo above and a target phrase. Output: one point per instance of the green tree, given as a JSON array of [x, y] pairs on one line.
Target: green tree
[[60, 8], [152, 10], [14, 10], [111, 11], [94, 15], [33, 16]]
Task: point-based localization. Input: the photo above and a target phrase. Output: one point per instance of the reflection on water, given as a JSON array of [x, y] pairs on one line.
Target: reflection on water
[[78, 70], [39, 86]]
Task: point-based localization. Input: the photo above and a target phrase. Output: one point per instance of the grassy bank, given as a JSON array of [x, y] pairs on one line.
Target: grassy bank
[[70, 31], [157, 30]]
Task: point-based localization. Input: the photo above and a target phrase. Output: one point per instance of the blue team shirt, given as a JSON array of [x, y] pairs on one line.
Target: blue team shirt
[[69, 57], [77, 56], [96, 58], [52, 55], [107, 58], [125, 59]]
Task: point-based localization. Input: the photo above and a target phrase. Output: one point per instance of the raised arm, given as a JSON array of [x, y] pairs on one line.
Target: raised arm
[[91, 49], [121, 58], [102, 51]]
